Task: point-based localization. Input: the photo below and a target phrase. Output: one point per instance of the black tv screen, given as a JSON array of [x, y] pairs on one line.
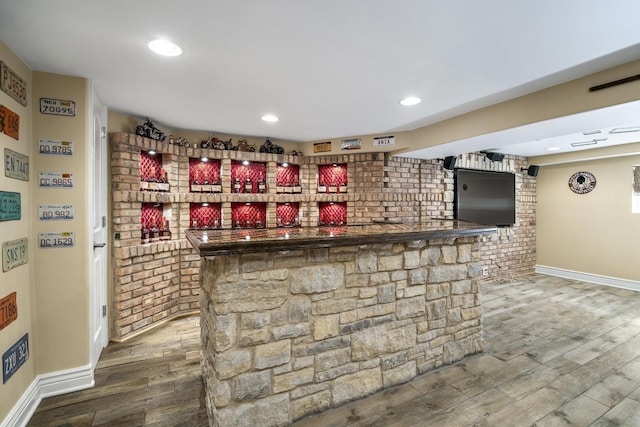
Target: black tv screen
[[485, 197]]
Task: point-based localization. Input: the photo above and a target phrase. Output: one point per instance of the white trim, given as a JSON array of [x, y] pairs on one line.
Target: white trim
[[589, 277], [47, 385]]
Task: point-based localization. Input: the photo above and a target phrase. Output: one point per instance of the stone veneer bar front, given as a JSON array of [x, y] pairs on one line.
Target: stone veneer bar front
[[296, 321]]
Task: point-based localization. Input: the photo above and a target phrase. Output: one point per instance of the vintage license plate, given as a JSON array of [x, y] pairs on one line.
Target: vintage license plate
[[58, 107], [384, 141], [8, 310], [9, 123], [14, 358], [16, 165], [10, 206], [55, 180], [57, 239], [321, 147], [54, 147], [351, 144], [14, 254], [12, 84], [56, 212]]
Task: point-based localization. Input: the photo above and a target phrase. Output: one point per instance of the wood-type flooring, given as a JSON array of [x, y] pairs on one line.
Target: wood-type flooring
[[558, 353]]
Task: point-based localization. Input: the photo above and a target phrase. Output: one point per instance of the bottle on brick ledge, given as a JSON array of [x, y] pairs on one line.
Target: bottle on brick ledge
[[216, 187], [196, 184], [154, 233], [262, 185], [145, 233], [322, 187], [236, 185], [248, 185], [165, 232], [164, 181]]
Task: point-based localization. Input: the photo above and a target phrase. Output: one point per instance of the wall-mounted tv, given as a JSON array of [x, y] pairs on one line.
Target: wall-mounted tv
[[485, 197]]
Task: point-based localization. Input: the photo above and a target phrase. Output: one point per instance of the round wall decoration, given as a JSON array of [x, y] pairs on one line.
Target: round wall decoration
[[582, 182]]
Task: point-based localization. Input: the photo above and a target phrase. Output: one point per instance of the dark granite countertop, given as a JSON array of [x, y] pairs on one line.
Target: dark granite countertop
[[239, 241]]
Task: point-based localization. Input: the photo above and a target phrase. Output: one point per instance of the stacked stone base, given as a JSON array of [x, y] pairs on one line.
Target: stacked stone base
[[286, 335]]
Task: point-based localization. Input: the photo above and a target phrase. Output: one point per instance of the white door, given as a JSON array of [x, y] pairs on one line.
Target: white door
[[98, 328]]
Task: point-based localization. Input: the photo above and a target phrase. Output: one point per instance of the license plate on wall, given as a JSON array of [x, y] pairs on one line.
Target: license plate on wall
[[10, 206], [15, 357], [14, 254], [59, 239], [54, 147], [55, 180], [56, 212]]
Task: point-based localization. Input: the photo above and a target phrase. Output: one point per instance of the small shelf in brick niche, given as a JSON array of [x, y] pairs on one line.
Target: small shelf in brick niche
[[153, 177], [248, 177], [332, 213], [154, 225], [288, 214], [248, 215], [204, 175], [332, 178], [205, 216], [288, 178]]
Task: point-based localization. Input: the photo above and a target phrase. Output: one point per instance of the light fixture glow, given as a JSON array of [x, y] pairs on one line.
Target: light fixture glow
[[165, 48], [205, 204], [285, 165], [553, 148], [410, 100], [204, 159], [152, 152], [270, 118], [245, 162]]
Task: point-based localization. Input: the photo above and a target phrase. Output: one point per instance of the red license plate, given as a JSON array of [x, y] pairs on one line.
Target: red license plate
[[9, 122], [8, 310]]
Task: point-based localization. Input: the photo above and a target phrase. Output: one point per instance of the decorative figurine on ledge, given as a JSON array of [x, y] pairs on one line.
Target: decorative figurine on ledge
[[149, 130], [295, 153], [243, 145], [270, 147]]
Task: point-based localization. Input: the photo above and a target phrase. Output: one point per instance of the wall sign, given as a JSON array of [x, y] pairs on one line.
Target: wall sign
[[384, 141], [55, 180], [56, 212], [10, 206], [57, 239], [8, 310], [351, 144], [321, 147], [14, 254], [54, 147], [16, 165], [15, 357], [57, 107], [12, 84], [582, 182], [9, 123]]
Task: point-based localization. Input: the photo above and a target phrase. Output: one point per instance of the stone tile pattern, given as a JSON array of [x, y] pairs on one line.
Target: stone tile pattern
[[380, 186], [299, 332]]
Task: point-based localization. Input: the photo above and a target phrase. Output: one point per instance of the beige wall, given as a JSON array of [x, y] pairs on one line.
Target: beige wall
[[593, 233], [20, 279], [62, 276], [52, 289]]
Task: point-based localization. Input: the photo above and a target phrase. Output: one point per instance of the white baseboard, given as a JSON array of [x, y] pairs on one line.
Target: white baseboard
[[588, 277], [47, 385]]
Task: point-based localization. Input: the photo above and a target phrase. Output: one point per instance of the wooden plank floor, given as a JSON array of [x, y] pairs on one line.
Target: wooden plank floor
[[151, 380], [558, 353]]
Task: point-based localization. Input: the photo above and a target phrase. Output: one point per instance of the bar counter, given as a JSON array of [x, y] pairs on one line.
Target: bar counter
[[295, 321], [240, 241]]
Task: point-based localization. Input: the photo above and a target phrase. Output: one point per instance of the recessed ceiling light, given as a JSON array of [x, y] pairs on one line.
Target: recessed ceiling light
[[625, 130], [270, 118], [410, 100], [593, 142], [553, 148], [204, 159], [245, 162], [165, 48]]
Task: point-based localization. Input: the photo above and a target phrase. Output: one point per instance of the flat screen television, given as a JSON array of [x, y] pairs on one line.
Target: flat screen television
[[485, 197]]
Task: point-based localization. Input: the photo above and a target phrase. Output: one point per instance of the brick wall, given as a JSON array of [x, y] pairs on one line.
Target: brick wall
[[381, 186]]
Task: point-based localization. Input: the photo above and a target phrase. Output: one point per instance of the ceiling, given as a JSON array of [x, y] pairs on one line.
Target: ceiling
[[331, 68]]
